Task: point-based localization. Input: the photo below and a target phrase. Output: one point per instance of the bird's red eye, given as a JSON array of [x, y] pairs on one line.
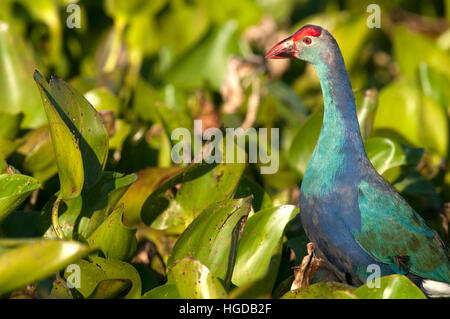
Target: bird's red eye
[[307, 40]]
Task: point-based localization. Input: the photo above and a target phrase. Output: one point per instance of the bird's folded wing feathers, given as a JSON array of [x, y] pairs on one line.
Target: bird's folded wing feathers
[[393, 233]]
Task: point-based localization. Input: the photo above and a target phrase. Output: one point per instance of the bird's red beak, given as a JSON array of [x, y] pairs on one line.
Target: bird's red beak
[[283, 50]]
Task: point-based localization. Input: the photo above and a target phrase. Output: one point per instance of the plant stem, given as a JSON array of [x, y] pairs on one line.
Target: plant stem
[[55, 221], [113, 55]]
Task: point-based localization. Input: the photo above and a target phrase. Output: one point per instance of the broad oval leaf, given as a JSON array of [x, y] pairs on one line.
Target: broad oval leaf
[[111, 288], [65, 144], [103, 99], [100, 269], [39, 155], [212, 238], [247, 187], [259, 250], [208, 61], [384, 153], [304, 142], [83, 214], [195, 281], [77, 134], [420, 49], [147, 181], [424, 122], [14, 189], [113, 238], [35, 260], [162, 210], [17, 91], [391, 287], [10, 124]]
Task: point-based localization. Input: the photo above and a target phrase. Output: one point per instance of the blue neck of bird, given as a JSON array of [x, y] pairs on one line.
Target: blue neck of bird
[[340, 130]]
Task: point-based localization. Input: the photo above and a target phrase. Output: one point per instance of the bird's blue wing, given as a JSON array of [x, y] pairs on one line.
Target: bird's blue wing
[[393, 233]]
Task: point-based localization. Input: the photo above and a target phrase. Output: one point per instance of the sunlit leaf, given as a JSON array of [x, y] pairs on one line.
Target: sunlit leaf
[[305, 140], [208, 61], [110, 288], [17, 91], [36, 260], [423, 120], [259, 250], [114, 239], [80, 216], [99, 269], [247, 187], [420, 49], [384, 153], [391, 287], [147, 181], [213, 237], [39, 156], [162, 210], [194, 280]]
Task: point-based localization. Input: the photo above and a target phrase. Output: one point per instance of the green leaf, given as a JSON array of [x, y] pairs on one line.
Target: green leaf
[[208, 61], [384, 154], [245, 12], [115, 240], [80, 216], [35, 260], [3, 165], [304, 142], [60, 290], [247, 187], [39, 156], [424, 122], [195, 195], [259, 251], [391, 287], [252, 290], [77, 133], [111, 288], [420, 49], [47, 12], [366, 105], [323, 290], [194, 280], [127, 9], [163, 210], [212, 238], [8, 146], [286, 94], [17, 91], [14, 189], [102, 98], [435, 84], [65, 143], [184, 24], [147, 181], [10, 124], [167, 291], [100, 269], [105, 195]]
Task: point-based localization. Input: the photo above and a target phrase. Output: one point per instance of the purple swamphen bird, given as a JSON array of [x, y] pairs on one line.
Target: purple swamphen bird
[[350, 213]]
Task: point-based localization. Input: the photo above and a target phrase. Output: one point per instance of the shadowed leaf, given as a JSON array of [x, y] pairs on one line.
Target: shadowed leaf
[[14, 189]]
